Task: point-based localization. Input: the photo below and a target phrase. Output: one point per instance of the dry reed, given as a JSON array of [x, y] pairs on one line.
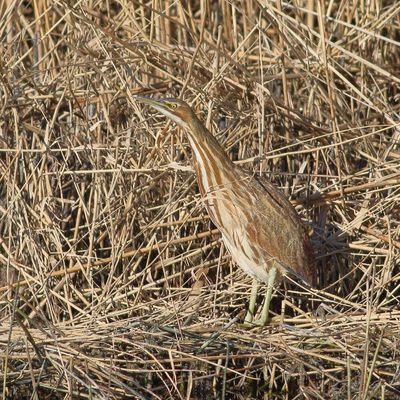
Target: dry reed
[[113, 282]]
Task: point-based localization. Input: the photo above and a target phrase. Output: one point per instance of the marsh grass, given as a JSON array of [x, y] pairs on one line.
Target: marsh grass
[[113, 281]]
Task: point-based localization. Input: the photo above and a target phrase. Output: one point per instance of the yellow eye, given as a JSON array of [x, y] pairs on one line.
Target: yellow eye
[[173, 106]]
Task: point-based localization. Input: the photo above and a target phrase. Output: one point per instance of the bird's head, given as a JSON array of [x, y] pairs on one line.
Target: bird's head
[[175, 109]]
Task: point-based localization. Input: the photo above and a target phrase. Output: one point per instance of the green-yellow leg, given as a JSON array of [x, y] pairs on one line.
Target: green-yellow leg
[[265, 310], [252, 305]]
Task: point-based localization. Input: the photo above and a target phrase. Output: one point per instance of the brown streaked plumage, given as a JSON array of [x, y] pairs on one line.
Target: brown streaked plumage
[[259, 226]]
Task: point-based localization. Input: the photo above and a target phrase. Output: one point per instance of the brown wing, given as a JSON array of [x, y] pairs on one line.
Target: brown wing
[[283, 233]]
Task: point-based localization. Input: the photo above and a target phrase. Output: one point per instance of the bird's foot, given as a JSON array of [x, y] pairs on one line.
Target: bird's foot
[[261, 323], [248, 319], [250, 323]]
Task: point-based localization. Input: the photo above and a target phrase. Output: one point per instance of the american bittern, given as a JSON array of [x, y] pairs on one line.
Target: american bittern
[[259, 226]]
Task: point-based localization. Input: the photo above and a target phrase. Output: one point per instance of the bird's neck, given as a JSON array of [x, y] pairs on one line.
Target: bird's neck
[[213, 166]]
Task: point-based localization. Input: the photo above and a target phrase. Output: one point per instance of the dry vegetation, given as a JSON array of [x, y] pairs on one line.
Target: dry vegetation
[[113, 282]]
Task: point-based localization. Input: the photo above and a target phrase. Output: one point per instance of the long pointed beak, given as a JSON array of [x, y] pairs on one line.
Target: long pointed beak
[[149, 101], [162, 108]]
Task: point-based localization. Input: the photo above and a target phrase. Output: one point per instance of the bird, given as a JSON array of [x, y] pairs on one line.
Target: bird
[[259, 226]]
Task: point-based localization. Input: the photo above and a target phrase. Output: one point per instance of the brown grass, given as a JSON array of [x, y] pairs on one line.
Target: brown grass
[[113, 282]]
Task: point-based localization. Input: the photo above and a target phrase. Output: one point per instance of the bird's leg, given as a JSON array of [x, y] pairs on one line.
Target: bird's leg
[[268, 296], [252, 305]]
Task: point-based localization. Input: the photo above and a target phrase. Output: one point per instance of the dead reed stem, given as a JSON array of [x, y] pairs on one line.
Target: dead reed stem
[[113, 281]]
